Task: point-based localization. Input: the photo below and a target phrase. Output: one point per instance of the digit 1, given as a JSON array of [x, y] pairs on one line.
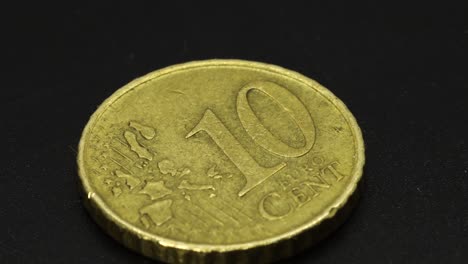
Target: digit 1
[[253, 172]]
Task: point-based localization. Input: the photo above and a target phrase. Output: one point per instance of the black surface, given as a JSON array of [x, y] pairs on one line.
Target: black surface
[[401, 69]]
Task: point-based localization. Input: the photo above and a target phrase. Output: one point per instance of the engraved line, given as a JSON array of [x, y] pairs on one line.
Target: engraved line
[[210, 216], [120, 141], [121, 154], [126, 150], [210, 204], [234, 212], [178, 221], [122, 166], [197, 218], [264, 230], [236, 209], [214, 218]]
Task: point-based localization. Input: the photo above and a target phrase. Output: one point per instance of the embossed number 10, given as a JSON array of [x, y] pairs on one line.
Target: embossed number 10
[[254, 172]]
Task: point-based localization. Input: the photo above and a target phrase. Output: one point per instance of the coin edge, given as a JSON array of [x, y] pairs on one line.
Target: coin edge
[[96, 205]]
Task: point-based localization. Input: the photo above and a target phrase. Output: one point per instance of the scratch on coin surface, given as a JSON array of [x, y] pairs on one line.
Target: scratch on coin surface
[[185, 185], [177, 92]]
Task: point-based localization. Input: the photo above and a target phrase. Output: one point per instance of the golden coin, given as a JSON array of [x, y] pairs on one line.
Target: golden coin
[[220, 161]]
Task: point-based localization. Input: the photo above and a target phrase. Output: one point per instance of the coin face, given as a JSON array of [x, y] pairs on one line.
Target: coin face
[[220, 157]]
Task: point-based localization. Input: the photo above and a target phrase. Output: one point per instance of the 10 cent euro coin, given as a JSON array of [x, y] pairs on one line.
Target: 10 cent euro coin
[[220, 161]]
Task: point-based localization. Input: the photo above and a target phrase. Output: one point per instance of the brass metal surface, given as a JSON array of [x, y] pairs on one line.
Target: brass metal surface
[[220, 161]]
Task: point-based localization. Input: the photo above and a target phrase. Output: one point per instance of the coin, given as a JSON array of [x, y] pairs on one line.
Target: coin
[[220, 161]]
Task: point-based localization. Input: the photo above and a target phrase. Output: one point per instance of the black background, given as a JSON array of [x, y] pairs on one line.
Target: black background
[[402, 69]]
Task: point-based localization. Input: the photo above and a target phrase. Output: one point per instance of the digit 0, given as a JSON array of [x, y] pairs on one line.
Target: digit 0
[[254, 173], [291, 104]]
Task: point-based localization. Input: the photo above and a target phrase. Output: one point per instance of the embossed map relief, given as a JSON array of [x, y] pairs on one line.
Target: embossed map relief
[[218, 156]]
